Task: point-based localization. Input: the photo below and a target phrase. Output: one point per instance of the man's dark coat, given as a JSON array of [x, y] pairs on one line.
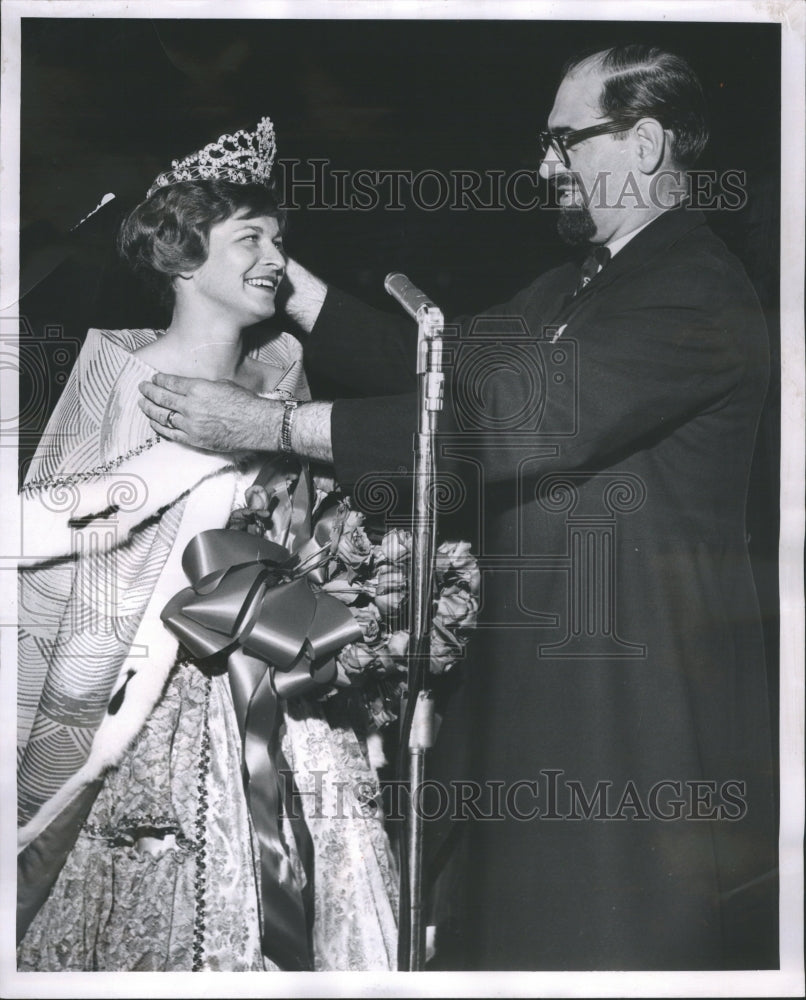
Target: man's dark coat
[[614, 711]]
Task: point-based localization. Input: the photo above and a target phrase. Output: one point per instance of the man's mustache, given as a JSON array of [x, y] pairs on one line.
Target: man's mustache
[[563, 185]]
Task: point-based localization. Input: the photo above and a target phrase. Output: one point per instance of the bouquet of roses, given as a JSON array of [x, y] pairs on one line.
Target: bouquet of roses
[[372, 579], [370, 575]]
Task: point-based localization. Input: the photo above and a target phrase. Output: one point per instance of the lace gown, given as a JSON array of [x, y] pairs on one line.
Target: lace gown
[[165, 874]]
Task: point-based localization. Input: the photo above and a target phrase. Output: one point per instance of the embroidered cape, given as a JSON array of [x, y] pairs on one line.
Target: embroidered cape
[[107, 510]]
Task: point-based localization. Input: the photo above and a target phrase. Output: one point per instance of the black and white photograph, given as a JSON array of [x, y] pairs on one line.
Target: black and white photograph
[[402, 476]]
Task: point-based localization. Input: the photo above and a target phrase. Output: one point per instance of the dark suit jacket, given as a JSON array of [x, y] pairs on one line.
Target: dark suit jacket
[[615, 692]]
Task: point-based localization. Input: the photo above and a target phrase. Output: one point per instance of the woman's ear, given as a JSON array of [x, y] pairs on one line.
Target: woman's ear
[[179, 286], [178, 279]]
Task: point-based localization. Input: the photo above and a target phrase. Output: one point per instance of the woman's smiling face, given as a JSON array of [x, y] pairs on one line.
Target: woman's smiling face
[[244, 267]]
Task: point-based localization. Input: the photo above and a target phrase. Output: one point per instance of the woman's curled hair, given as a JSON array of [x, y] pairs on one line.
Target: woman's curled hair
[[168, 233]]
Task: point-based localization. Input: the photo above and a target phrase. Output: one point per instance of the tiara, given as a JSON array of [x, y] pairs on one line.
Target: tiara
[[242, 158]]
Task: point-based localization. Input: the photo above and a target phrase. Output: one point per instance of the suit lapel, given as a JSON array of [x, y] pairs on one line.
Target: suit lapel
[[660, 234]]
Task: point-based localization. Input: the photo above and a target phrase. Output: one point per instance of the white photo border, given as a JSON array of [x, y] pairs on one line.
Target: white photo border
[[788, 981]]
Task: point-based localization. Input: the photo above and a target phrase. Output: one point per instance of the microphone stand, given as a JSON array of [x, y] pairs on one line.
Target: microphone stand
[[417, 724]]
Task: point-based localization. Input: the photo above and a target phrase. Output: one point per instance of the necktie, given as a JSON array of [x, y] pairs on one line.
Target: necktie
[[591, 266]]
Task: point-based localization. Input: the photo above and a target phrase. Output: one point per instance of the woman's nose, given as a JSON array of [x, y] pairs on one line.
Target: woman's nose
[[272, 254]]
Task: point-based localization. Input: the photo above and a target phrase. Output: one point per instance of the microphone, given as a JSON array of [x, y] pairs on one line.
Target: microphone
[[407, 294]]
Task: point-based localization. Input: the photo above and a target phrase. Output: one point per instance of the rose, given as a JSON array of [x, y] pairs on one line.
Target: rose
[[344, 521], [353, 662], [243, 519], [444, 648], [353, 547], [398, 643], [456, 607], [358, 661], [255, 517], [257, 499], [369, 619], [455, 560], [351, 519], [395, 546], [392, 586], [348, 591], [379, 710]]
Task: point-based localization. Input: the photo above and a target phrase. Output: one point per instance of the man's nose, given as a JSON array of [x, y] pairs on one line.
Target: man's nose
[[550, 164]]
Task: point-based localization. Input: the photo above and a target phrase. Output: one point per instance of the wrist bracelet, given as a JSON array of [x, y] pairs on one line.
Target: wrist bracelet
[[288, 419]]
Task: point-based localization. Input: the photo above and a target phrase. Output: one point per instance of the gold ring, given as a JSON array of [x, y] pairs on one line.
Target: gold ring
[[169, 420]]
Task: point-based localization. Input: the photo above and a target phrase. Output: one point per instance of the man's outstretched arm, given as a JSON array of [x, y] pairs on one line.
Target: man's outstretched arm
[[368, 351], [224, 417]]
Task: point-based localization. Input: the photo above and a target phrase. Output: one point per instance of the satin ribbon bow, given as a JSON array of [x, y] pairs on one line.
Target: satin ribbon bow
[[244, 594], [251, 600]]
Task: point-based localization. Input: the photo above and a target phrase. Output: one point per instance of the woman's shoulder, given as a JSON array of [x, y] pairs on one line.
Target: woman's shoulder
[[106, 354], [282, 349], [96, 416], [116, 350], [281, 357], [112, 373], [122, 340]]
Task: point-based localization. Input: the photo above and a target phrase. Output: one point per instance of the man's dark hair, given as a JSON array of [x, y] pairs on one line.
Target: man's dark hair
[[644, 81], [169, 232]]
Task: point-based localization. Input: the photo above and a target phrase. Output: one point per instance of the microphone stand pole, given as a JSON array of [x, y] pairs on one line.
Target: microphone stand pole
[[417, 725]]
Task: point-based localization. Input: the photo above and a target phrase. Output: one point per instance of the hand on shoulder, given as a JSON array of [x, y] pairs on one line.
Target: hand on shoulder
[[215, 416]]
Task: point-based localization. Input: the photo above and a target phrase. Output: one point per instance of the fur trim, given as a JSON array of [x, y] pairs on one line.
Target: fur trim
[[375, 751], [139, 489], [151, 657]]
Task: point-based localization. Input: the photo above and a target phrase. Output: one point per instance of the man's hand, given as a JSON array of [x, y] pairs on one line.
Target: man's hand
[[301, 295], [215, 416]]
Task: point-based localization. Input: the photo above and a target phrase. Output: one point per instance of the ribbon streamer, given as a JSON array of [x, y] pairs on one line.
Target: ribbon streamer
[[251, 599]]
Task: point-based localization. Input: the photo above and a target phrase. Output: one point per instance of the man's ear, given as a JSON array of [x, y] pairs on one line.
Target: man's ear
[[651, 144]]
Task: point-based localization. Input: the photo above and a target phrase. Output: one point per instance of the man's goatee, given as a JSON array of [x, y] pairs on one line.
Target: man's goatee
[[575, 225]]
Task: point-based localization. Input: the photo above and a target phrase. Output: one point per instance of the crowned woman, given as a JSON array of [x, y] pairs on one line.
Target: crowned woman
[[176, 811]]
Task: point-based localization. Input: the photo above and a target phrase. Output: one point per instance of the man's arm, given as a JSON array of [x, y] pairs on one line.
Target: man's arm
[[365, 350], [676, 341], [368, 351], [354, 436], [224, 417], [362, 350], [311, 435]]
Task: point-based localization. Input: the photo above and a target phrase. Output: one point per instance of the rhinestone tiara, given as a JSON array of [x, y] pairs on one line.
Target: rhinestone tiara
[[242, 158]]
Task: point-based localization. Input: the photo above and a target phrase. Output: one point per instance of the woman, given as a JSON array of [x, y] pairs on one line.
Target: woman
[[131, 753]]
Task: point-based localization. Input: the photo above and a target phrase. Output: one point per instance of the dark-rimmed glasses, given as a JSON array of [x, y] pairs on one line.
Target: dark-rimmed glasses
[[561, 142]]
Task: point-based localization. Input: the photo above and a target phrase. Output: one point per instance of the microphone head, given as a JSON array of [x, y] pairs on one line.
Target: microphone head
[[393, 280], [407, 294]]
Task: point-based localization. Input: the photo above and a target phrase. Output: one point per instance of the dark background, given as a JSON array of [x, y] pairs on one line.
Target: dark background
[[107, 104]]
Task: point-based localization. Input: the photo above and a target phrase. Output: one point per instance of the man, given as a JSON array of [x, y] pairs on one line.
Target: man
[[609, 755]]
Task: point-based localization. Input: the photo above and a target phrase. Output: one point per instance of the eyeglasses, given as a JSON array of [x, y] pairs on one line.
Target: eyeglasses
[[561, 142]]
